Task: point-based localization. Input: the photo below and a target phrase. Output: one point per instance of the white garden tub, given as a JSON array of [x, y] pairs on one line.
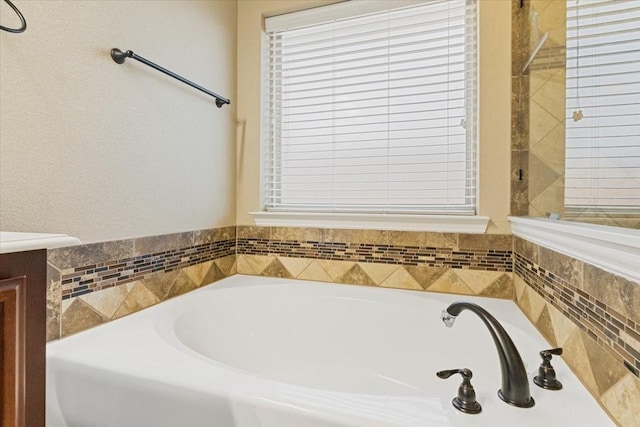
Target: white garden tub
[[252, 351]]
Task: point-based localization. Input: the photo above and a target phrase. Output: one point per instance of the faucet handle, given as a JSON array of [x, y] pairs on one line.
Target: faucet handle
[[466, 399], [546, 377]]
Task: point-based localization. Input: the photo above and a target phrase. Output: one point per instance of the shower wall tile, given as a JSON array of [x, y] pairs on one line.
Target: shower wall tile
[[594, 315], [92, 284]]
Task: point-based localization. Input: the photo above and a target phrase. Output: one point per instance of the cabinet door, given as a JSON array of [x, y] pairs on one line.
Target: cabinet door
[[12, 336]]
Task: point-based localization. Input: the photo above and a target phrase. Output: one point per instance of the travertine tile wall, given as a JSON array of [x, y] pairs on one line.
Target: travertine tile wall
[[443, 262], [594, 315], [92, 284]]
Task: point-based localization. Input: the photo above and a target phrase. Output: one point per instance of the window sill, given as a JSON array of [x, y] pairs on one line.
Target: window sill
[[614, 249], [402, 222]]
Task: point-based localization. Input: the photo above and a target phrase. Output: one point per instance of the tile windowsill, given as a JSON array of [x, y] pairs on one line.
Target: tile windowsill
[[403, 222]]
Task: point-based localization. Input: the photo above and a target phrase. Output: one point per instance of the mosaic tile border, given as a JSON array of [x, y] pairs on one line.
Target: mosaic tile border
[[90, 278], [550, 58], [609, 328], [474, 259]]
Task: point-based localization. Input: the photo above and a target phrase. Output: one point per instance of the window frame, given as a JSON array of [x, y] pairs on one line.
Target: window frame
[[393, 219]]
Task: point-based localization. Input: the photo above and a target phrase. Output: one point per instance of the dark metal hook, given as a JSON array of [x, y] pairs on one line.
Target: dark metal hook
[[22, 20]]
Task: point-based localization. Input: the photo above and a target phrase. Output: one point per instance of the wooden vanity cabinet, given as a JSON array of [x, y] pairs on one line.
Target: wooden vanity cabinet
[[22, 338]]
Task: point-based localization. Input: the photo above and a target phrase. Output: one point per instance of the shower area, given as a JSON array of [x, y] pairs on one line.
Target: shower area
[[538, 107]]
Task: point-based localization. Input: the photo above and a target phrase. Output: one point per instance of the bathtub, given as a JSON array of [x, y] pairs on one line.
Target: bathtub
[[253, 351]]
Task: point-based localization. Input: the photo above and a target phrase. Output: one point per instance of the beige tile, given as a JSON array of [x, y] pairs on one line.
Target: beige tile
[[425, 275], [576, 356], [54, 297], [551, 199], [621, 400], [65, 304], [213, 275], [538, 78], [552, 19], [562, 325], [214, 235], [545, 326], [502, 287], [543, 175], [295, 266], [541, 122], [606, 369], [106, 301], [551, 150], [401, 279], [160, 283], [243, 266], [355, 236], [253, 232], [524, 304], [519, 286], [617, 292], [163, 242], [477, 280], [529, 250], [83, 255], [536, 304], [198, 271], [378, 272], [315, 272], [276, 269], [551, 95], [450, 283], [140, 297], [299, 234], [227, 265], [335, 269], [563, 266], [183, 284], [499, 242], [259, 263], [356, 276], [79, 317]]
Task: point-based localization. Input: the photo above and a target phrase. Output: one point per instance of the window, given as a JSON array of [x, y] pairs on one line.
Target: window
[[372, 110], [603, 106]]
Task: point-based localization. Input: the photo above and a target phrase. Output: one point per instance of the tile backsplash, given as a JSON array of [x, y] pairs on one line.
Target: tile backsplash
[[94, 283], [592, 314], [442, 262]]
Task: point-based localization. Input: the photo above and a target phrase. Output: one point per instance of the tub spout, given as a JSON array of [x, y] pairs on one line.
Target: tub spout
[[515, 384]]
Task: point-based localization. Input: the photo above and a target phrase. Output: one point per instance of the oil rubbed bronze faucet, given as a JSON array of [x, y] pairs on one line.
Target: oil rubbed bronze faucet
[[515, 384]]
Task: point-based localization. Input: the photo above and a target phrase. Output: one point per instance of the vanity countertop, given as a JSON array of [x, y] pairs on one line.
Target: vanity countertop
[[11, 241]]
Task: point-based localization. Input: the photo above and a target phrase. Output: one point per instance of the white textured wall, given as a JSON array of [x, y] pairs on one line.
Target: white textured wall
[[103, 151]]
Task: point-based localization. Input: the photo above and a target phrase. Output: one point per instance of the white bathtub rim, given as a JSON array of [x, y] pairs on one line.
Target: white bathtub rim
[[248, 389]]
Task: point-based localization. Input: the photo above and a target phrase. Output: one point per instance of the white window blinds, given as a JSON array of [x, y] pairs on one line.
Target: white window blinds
[[372, 111], [603, 106]]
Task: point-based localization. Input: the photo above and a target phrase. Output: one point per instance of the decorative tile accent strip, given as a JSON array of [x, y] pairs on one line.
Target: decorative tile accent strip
[[476, 259], [550, 58], [89, 278], [605, 325], [94, 283]]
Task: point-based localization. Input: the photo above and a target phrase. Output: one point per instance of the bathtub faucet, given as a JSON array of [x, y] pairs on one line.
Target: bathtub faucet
[[515, 384]]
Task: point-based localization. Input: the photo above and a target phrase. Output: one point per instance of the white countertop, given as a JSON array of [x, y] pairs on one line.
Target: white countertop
[[11, 241]]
